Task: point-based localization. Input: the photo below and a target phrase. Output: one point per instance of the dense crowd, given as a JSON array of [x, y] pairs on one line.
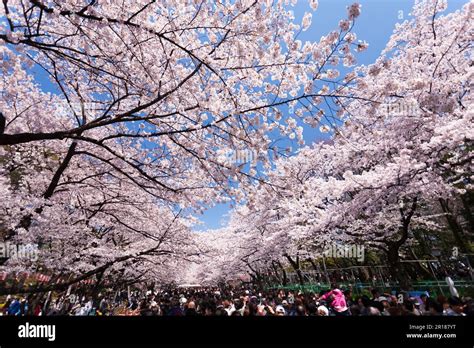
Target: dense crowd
[[241, 302]]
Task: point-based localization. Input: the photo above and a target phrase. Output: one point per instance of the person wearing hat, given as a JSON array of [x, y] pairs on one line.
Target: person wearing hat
[[280, 311], [323, 311]]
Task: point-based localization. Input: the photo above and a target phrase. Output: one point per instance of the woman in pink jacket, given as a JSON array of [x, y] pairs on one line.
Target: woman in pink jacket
[[337, 300]]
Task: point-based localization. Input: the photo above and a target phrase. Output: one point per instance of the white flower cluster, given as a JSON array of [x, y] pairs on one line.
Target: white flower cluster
[[314, 4], [354, 11], [306, 21]]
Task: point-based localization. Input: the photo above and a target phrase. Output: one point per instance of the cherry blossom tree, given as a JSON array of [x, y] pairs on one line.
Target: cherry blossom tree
[[147, 100], [402, 155], [102, 162]]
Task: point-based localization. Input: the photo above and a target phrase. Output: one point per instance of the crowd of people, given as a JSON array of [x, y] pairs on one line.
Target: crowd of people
[[240, 302]]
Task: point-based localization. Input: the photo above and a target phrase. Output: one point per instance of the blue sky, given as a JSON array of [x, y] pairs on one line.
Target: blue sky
[[375, 25]]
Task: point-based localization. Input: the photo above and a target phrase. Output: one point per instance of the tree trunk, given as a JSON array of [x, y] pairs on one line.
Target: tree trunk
[[296, 266], [393, 247], [275, 271], [468, 202], [455, 227], [395, 267], [283, 272]]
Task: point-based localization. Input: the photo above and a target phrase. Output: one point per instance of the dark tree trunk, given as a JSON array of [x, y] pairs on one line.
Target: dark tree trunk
[[468, 202], [275, 271], [395, 267], [454, 227], [393, 248], [296, 266], [283, 272]]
